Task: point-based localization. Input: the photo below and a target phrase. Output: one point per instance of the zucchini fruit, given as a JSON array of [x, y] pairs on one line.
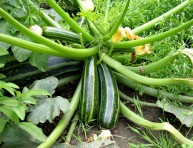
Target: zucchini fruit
[[60, 34], [89, 101], [109, 98], [24, 73]]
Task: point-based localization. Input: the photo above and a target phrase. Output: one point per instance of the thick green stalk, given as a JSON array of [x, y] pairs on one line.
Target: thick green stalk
[[151, 91], [68, 79], [118, 23], [152, 67], [142, 79], [29, 45], [72, 53], [154, 38], [64, 121], [72, 128], [69, 20], [160, 18], [154, 126], [48, 20], [107, 11], [67, 51], [142, 103]]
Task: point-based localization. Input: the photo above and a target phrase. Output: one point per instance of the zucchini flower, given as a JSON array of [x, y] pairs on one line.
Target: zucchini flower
[[87, 5], [117, 37], [142, 50], [36, 29]]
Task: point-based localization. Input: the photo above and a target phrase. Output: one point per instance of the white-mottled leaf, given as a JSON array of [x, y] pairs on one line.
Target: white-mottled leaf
[[184, 115], [47, 109], [48, 84], [33, 130]]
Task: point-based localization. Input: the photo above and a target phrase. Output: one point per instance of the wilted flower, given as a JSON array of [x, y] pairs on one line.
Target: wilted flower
[[105, 134], [130, 35], [142, 50], [118, 35], [36, 29]]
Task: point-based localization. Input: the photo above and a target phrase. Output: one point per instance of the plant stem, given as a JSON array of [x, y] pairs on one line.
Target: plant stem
[[154, 126], [48, 20], [29, 45], [151, 91], [72, 128], [67, 51], [107, 11], [118, 23], [68, 79], [155, 65], [158, 37], [72, 53], [142, 103], [142, 79], [160, 18], [65, 119], [69, 20]]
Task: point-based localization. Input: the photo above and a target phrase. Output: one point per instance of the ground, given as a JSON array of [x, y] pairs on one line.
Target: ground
[[122, 134]]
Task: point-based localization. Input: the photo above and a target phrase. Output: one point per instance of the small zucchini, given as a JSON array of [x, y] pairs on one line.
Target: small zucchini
[[60, 34], [109, 98], [89, 101]]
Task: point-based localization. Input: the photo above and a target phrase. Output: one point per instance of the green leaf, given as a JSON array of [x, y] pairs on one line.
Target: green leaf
[[2, 61], [20, 111], [34, 92], [8, 101], [20, 53], [47, 109], [2, 76], [29, 100], [184, 115], [33, 130], [15, 137], [3, 51], [5, 28], [3, 122], [8, 111], [48, 84], [39, 60]]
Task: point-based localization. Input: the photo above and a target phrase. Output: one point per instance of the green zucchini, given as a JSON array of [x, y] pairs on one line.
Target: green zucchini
[[89, 101], [24, 73], [109, 98], [60, 34]]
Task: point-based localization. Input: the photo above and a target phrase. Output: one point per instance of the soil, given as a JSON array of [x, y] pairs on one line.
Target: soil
[[122, 134]]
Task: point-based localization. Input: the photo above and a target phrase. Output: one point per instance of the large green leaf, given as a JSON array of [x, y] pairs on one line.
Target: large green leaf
[[33, 130], [20, 53], [47, 109], [15, 137], [184, 115], [48, 84], [39, 60]]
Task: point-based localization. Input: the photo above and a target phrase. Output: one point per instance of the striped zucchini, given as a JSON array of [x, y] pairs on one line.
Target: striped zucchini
[[60, 34], [89, 101], [109, 98]]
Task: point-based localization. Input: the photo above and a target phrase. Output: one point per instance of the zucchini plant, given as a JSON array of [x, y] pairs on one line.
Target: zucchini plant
[[92, 40]]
